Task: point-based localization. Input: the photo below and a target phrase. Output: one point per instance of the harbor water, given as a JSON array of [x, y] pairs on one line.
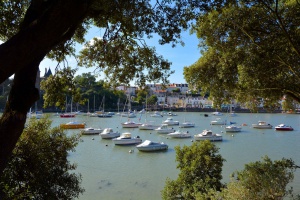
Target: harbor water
[[112, 172]]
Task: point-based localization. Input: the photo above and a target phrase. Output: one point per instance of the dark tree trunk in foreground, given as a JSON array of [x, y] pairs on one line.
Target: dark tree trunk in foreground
[[46, 25]]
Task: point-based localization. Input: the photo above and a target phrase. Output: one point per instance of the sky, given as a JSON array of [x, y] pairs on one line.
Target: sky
[[180, 56]]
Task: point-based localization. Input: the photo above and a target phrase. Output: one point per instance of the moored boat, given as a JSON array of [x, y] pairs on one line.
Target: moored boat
[[169, 121], [156, 114], [187, 124], [131, 124], [148, 145], [72, 125], [233, 128], [126, 139], [218, 121], [109, 133], [180, 134], [283, 127], [67, 115], [91, 131], [208, 135], [262, 125], [148, 126], [164, 128]]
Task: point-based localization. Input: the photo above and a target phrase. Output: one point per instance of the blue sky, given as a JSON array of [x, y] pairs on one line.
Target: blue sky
[[180, 56]]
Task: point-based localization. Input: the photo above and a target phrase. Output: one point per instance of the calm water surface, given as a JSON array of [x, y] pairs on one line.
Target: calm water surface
[[111, 172]]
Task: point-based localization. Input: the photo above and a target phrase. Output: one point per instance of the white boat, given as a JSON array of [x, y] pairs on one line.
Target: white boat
[[93, 115], [283, 127], [233, 128], [164, 128], [143, 111], [262, 125], [169, 121], [218, 121], [148, 126], [208, 135], [187, 124], [131, 124], [180, 134], [109, 133], [104, 115], [156, 114], [217, 113], [91, 131], [232, 114], [172, 114], [126, 139], [128, 114], [36, 115], [148, 145]]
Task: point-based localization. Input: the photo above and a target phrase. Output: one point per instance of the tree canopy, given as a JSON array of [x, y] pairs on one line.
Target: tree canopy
[[40, 154], [200, 177], [200, 168], [250, 49]]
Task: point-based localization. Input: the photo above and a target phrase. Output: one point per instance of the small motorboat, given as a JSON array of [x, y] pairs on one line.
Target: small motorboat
[[91, 131], [126, 139], [217, 113], [156, 114], [283, 127], [169, 121], [262, 125], [187, 124], [148, 145], [72, 125], [218, 121], [67, 115], [131, 124], [164, 129], [172, 114], [180, 134], [148, 126], [208, 135], [233, 128], [109, 133]]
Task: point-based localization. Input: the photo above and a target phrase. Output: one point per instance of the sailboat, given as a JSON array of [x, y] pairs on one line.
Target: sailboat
[[103, 114], [186, 124], [94, 114], [147, 125], [129, 113], [71, 124], [67, 115]]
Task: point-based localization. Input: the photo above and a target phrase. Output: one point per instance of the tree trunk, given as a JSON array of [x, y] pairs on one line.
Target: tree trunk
[[44, 27]]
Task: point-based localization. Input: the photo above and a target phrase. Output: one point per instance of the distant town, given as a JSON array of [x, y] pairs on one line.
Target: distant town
[[174, 96]]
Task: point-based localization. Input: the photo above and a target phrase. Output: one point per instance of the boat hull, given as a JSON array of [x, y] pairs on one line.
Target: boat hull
[[127, 141], [261, 126], [72, 126], [90, 131], [110, 136], [154, 148], [213, 138], [67, 115], [181, 135]]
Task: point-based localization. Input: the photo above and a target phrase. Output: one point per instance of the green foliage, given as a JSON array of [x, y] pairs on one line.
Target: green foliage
[[288, 104], [199, 178], [249, 50], [265, 179], [152, 100], [59, 86], [39, 168], [200, 168]]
